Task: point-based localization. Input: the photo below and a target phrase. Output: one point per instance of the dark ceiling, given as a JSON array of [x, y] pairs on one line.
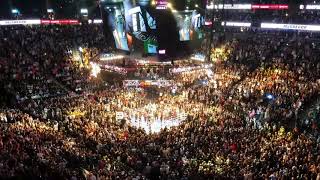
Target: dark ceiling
[[68, 8]]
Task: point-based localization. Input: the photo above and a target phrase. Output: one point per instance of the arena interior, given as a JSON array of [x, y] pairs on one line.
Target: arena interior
[[160, 89]]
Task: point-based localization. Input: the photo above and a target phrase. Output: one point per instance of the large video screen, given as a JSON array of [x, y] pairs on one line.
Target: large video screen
[[117, 23], [184, 20], [150, 46], [134, 22], [189, 25], [132, 18], [197, 24], [143, 27]]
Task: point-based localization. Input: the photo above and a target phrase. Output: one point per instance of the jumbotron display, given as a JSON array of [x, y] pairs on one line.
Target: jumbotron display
[[128, 19], [117, 24], [134, 21], [189, 24]]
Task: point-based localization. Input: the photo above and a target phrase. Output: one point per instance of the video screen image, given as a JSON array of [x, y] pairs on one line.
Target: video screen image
[[150, 47], [117, 23], [132, 18], [184, 20], [143, 26], [197, 23]]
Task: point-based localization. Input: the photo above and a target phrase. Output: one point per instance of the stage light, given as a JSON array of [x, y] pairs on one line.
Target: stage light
[[49, 10], [97, 21], [169, 5], [187, 7], [196, 5], [153, 2], [14, 11], [162, 51], [80, 49], [84, 11]]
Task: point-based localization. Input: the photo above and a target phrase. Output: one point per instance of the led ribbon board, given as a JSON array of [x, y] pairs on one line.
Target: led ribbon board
[[248, 6], [300, 27], [20, 22]]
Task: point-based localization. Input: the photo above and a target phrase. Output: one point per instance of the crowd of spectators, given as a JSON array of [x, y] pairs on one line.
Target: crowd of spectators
[[239, 112], [37, 60]]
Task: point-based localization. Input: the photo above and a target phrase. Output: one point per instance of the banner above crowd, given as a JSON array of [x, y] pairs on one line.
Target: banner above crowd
[[248, 6], [301, 27], [39, 21], [20, 22], [310, 6], [148, 83]]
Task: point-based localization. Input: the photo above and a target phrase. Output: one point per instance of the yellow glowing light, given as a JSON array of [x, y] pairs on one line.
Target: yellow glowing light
[[95, 69], [169, 5], [153, 2]]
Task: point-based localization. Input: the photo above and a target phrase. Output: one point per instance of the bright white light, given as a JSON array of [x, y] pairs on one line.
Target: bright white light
[[95, 69], [174, 90], [235, 24], [162, 51], [269, 96], [49, 10], [301, 27], [161, 7], [229, 6], [207, 23], [187, 7], [97, 21], [311, 6], [84, 11], [14, 11], [80, 49], [197, 5], [169, 5], [111, 58], [19, 22], [197, 59]]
